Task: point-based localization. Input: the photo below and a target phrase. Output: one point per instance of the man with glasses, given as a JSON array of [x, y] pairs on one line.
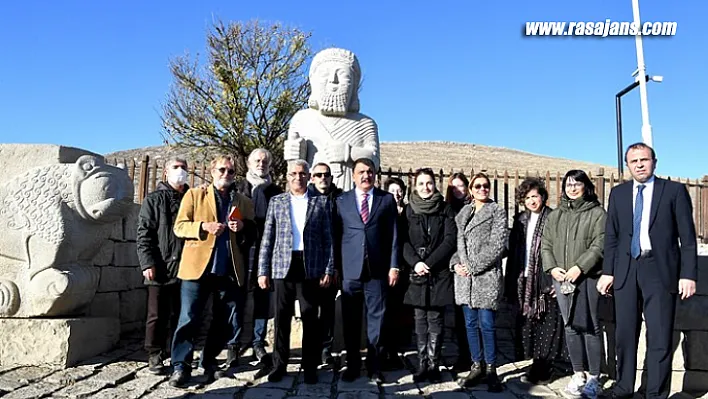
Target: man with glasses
[[218, 226], [297, 258], [259, 187], [321, 185]]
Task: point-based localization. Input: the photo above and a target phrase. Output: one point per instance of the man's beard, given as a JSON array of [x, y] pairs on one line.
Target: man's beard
[[333, 104], [222, 183]]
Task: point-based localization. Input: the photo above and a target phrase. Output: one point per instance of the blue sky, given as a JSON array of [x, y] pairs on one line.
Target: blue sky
[[94, 74]]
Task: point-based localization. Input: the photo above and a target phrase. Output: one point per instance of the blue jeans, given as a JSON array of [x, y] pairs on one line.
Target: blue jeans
[[228, 303], [476, 319]]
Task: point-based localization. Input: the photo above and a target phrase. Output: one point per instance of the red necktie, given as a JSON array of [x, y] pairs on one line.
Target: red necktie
[[365, 208]]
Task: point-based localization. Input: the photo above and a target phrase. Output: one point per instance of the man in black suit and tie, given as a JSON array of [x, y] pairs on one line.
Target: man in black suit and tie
[[647, 218], [366, 255]]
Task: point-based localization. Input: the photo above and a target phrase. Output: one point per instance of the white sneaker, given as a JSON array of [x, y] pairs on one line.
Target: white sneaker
[[576, 384], [592, 388]]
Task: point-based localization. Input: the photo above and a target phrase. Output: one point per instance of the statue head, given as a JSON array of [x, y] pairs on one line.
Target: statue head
[[334, 77], [102, 192]]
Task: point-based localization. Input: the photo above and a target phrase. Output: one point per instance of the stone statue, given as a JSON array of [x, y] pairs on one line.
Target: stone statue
[[53, 220], [332, 130]]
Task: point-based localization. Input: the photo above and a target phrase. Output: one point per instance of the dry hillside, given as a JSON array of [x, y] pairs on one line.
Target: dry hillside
[[436, 154]]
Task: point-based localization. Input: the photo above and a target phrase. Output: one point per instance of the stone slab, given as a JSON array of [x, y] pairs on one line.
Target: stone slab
[[106, 304], [16, 158], [125, 254], [117, 373], [450, 395], [22, 376], [70, 376], [130, 223], [357, 395], [264, 393], [115, 279], [57, 342], [104, 257], [400, 382], [133, 305], [132, 389], [225, 386], [33, 391], [163, 392], [360, 384], [82, 389]]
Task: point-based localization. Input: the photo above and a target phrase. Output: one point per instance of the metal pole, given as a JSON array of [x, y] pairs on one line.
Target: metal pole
[[620, 147], [641, 72]]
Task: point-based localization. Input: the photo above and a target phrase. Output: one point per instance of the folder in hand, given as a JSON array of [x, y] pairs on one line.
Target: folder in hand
[[235, 214]]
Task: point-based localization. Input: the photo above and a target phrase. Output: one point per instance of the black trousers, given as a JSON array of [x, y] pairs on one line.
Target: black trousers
[[395, 331], [357, 294], [644, 291], [327, 315], [463, 347], [286, 291], [162, 315]]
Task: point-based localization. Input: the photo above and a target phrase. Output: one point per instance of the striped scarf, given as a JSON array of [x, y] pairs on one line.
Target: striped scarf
[[532, 292]]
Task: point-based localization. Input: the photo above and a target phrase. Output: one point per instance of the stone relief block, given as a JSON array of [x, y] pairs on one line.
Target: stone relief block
[[54, 219]]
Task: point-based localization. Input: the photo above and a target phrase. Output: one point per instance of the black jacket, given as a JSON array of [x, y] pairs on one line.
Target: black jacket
[[156, 241], [437, 233]]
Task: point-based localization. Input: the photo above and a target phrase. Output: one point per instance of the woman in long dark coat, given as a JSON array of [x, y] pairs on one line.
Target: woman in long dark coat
[[458, 195], [430, 241], [398, 318], [530, 289]]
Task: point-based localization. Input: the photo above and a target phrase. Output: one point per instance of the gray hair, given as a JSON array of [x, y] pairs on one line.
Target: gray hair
[[267, 153], [173, 160], [299, 162]]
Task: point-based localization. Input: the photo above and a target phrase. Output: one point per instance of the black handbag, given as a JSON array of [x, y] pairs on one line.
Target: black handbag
[[414, 277]]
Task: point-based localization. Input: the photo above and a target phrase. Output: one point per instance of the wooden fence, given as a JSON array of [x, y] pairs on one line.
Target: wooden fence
[[146, 174]]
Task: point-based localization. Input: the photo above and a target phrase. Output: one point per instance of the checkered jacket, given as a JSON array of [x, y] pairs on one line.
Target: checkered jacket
[[277, 242]]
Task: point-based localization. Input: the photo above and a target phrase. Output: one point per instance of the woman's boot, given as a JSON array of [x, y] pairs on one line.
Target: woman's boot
[[493, 383], [473, 377], [434, 355], [422, 373]]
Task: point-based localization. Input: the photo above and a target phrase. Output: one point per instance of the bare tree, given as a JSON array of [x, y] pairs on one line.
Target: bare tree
[[244, 97]]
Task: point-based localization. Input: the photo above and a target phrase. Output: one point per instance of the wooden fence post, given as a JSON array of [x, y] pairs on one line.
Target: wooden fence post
[[143, 182], [704, 209], [600, 186]]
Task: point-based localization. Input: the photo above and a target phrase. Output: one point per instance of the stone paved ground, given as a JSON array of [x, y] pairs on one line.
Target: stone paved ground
[[122, 373]]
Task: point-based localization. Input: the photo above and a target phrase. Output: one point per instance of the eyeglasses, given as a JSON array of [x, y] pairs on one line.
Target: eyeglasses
[[576, 185], [327, 174], [481, 186], [223, 170]]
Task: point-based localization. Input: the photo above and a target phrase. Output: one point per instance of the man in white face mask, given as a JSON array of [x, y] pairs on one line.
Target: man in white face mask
[[159, 252]]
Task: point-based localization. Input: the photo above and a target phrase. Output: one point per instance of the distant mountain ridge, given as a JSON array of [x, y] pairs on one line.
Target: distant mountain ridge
[[434, 154]]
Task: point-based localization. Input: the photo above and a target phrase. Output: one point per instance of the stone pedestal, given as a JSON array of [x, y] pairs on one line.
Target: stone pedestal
[[55, 342]]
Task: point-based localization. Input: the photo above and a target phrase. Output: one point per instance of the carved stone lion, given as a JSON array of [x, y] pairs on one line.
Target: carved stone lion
[[53, 220]]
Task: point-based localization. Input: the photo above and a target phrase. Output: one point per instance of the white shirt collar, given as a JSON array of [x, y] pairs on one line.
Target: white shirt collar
[[360, 193], [646, 184], [299, 196]]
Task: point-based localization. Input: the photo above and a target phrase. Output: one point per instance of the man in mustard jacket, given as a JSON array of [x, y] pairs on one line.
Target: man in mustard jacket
[[217, 224]]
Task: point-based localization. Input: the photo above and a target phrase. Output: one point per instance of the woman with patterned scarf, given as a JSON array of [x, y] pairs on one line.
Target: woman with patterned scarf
[[539, 324]]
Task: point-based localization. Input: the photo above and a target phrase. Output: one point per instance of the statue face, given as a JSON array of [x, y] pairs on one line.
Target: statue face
[[334, 87]]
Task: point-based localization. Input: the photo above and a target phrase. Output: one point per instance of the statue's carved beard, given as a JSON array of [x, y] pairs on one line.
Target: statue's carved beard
[[334, 104]]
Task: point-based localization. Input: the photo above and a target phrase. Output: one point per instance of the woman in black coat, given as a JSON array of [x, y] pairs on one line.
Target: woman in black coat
[[430, 241], [539, 324]]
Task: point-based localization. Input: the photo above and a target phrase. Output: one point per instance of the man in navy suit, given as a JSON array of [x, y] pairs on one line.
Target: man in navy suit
[[366, 256], [647, 219]]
